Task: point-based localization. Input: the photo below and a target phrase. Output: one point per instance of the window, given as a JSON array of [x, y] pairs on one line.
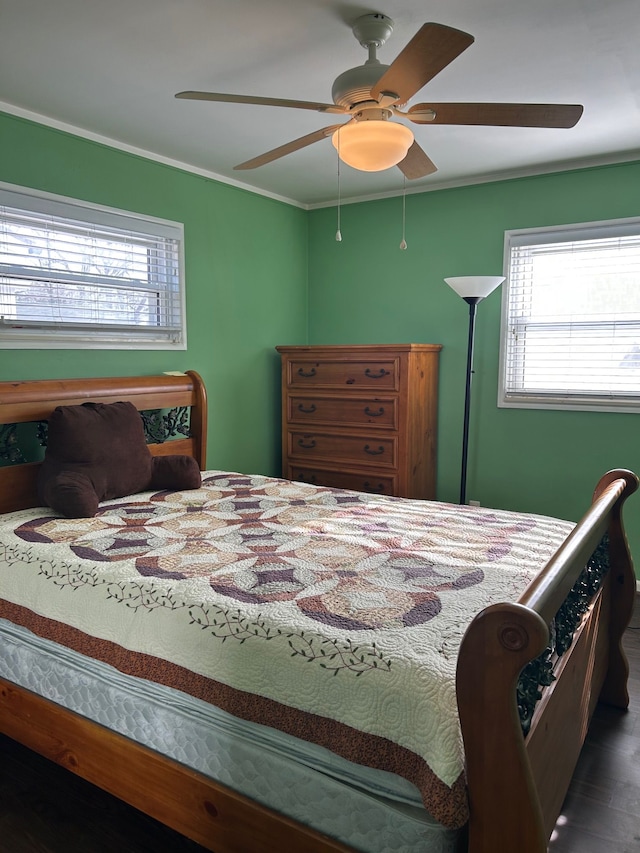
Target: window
[[571, 317], [75, 275]]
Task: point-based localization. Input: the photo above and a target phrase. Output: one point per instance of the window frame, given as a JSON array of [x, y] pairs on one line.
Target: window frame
[[572, 401], [53, 334]]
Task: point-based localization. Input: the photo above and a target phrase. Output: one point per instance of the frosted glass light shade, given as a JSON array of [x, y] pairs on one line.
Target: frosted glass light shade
[[372, 146], [474, 286]]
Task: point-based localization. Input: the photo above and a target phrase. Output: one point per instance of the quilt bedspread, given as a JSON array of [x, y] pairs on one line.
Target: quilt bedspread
[[329, 614]]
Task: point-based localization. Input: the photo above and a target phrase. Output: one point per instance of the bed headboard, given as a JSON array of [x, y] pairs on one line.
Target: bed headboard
[[34, 400]]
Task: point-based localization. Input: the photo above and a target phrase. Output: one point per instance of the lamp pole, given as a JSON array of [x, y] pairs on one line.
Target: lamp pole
[[472, 301], [473, 289]]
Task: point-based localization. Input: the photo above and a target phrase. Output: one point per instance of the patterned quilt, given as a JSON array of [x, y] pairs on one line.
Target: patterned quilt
[[329, 614]]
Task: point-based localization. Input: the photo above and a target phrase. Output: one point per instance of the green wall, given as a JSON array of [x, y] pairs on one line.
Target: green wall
[[366, 290], [246, 274], [261, 273]]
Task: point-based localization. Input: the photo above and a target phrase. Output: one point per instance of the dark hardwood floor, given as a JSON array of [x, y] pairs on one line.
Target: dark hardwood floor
[[45, 809]]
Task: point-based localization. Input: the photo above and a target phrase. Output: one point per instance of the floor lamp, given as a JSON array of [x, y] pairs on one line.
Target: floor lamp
[[473, 289]]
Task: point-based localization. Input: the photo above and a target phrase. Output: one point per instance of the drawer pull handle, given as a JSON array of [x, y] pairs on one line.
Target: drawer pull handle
[[369, 488], [379, 375], [311, 444], [307, 411], [301, 372], [371, 414], [374, 452]]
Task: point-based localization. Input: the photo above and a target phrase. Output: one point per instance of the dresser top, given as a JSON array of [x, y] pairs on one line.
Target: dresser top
[[362, 348]]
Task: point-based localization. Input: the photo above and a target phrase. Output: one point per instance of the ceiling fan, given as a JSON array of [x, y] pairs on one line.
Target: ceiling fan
[[372, 93]]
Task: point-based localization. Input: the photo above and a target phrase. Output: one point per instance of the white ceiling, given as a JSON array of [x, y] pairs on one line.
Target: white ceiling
[[109, 69]]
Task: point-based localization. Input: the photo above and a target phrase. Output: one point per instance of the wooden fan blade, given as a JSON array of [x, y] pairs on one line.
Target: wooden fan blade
[[432, 48], [416, 164], [499, 115], [289, 148], [266, 102]]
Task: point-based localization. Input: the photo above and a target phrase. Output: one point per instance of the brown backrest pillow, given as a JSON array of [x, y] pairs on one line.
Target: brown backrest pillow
[[97, 451]]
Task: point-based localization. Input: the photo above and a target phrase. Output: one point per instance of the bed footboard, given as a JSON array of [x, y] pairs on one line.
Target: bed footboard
[[517, 783]]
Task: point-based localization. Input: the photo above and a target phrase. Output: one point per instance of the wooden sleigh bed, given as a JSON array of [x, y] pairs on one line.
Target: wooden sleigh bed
[[515, 782]]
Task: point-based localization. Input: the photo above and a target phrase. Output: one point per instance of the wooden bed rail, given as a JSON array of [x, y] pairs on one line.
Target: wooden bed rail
[[517, 784], [191, 803], [547, 592]]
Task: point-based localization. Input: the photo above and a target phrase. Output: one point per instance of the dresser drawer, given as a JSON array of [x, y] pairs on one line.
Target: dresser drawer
[[348, 411], [378, 450], [313, 373], [374, 483]]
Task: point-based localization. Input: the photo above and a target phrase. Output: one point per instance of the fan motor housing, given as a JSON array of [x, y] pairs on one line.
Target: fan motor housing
[[354, 86]]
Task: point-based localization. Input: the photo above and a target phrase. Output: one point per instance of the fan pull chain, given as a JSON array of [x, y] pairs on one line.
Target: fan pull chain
[[338, 232], [403, 242]]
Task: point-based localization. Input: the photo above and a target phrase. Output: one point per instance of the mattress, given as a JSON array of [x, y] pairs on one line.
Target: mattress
[[328, 615]]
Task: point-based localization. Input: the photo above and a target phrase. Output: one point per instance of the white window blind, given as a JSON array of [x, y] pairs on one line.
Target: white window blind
[[571, 317], [75, 275]]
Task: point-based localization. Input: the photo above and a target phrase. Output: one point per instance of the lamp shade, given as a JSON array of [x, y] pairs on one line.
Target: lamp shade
[[474, 286], [372, 146]]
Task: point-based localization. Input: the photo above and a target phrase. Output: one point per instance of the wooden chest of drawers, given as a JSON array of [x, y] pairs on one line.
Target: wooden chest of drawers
[[361, 417]]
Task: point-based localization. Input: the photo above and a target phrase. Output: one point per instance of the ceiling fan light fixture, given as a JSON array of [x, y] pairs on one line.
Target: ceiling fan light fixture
[[372, 146]]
